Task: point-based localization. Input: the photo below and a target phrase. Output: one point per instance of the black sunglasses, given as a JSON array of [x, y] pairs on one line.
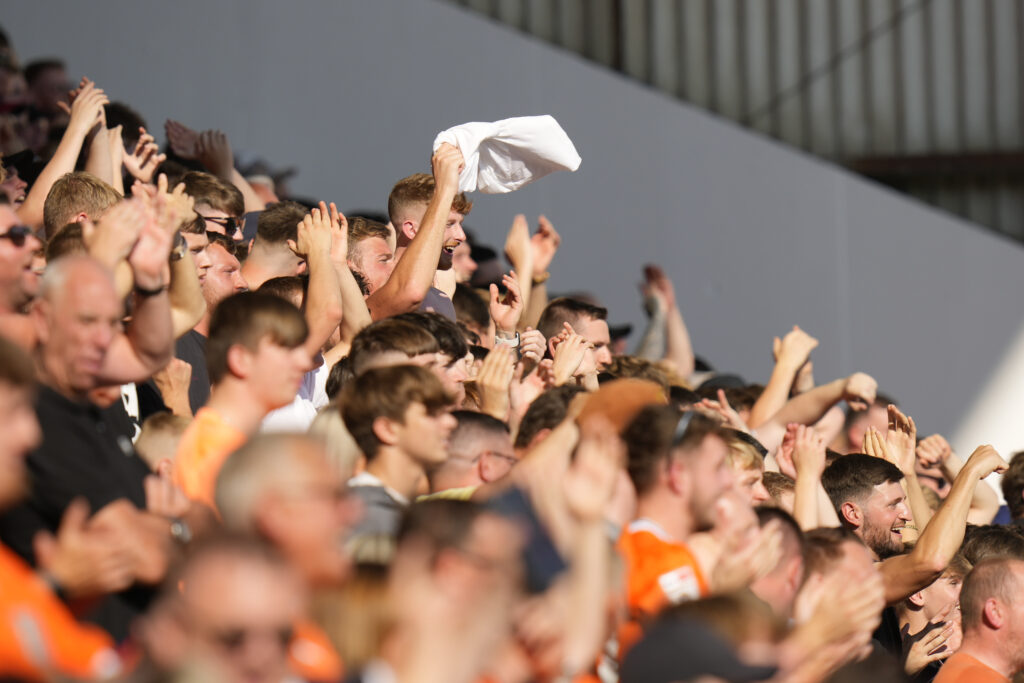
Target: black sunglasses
[[17, 234], [229, 223]]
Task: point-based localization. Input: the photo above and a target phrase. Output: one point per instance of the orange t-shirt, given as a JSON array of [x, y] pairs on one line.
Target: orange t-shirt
[[203, 448], [660, 571], [963, 668], [38, 635]]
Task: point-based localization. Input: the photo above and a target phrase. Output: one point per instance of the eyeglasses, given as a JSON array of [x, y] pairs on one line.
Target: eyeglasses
[[234, 639], [17, 234], [229, 223]]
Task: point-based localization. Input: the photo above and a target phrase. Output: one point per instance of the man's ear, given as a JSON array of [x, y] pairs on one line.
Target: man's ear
[[79, 217], [852, 514], [240, 361], [916, 599], [386, 430], [992, 614], [409, 229], [678, 476]]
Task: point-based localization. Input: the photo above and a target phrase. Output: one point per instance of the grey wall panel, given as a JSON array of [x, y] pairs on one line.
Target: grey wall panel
[[757, 236]]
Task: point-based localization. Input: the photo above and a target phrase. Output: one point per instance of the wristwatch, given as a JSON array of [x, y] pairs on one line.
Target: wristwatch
[[181, 531]]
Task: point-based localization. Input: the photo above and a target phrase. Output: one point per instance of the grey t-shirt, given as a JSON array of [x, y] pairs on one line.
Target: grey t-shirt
[[438, 302]]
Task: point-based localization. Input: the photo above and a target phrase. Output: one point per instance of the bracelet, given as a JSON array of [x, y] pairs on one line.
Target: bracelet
[[540, 279], [513, 341], [146, 293]]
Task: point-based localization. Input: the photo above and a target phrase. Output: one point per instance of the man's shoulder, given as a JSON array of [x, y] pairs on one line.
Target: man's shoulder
[[963, 668]]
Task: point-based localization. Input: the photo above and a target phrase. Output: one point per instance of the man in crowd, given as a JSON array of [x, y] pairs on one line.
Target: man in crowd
[[256, 359], [990, 602], [399, 417], [82, 453], [479, 452], [222, 278], [871, 502], [427, 214]]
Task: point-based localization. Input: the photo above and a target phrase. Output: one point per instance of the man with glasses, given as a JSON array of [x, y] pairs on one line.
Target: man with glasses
[[220, 204], [207, 620], [18, 246], [479, 452]]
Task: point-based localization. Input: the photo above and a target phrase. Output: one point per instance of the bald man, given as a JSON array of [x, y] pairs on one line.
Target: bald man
[[84, 452]]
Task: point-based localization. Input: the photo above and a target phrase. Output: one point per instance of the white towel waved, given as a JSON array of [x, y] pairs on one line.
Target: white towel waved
[[505, 155]]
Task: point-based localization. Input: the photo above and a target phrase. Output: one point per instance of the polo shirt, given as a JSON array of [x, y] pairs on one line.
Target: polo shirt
[[86, 451]]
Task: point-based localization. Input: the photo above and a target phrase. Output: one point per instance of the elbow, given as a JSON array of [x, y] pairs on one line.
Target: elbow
[[931, 564]]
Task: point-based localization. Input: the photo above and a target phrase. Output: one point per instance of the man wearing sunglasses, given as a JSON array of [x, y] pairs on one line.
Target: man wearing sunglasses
[[220, 204], [18, 281], [207, 617]]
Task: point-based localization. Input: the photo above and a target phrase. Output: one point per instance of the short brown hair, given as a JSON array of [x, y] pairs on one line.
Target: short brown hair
[[778, 484], [67, 240], [419, 189], [247, 318], [387, 392], [651, 439], [567, 310], [824, 546], [388, 335], [209, 190], [1013, 485], [76, 193], [197, 226], [360, 229], [992, 578], [279, 222]]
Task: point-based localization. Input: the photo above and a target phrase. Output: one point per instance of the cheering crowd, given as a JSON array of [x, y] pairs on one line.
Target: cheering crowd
[[253, 438]]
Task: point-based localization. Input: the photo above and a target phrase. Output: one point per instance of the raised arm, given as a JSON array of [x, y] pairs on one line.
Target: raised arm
[[323, 296], [678, 348], [408, 285], [935, 450], [148, 342], [939, 541], [215, 153], [86, 113], [807, 408], [544, 245], [790, 352]]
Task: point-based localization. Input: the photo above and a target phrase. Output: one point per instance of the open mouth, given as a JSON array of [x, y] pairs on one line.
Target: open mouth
[[450, 247]]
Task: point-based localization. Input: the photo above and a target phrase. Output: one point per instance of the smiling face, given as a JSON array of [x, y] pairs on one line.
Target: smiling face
[[14, 187], [884, 513], [453, 237], [18, 280]]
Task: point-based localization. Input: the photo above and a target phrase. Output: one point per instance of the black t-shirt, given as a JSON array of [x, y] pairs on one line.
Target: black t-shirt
[[191, 348], [86, 452]]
